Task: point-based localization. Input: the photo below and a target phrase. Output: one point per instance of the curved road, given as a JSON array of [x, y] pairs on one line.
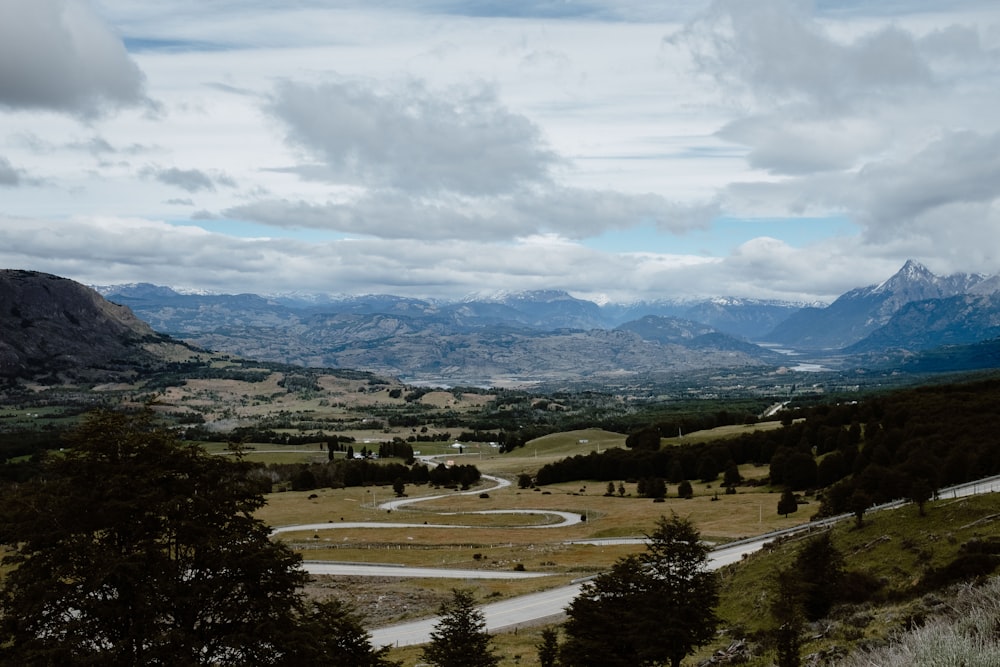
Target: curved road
[[536, 606]]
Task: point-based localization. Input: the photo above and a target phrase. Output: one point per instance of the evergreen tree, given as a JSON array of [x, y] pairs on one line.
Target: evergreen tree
[[650, 608], [820, 568], [548, 648], [787, 503], [788, 615], [460, 638]]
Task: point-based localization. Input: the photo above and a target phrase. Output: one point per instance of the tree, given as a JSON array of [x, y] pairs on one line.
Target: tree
[[647, 438], [732, 476], [650, 608], [524, 481], [611, 489], [787, 612], [684, 490], [920, 492], [548, 648], [653, 487], [787, 503], [460, 639], [329, 633], [859, 504], [399, 487], [135, 549], [820, 568]]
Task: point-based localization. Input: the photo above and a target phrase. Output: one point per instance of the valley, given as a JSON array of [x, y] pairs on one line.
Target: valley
[[342, 454]]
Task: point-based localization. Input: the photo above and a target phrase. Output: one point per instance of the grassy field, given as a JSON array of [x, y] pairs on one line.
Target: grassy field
[[884, 548], [896, 547]]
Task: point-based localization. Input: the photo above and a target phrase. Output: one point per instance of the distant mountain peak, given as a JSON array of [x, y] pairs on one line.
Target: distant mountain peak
[[913, 272]]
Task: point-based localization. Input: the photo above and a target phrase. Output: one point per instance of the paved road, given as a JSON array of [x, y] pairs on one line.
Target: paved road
[[533, 607], [384, 570], [537, 606]]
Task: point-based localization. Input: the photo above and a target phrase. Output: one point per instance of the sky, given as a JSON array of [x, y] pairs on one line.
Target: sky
[[619, 150]]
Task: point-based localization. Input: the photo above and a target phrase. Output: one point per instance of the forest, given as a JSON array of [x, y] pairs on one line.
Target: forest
[[903, 444]]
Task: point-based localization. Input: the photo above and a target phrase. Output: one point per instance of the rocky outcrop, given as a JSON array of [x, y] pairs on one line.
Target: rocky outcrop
[[51, 325]]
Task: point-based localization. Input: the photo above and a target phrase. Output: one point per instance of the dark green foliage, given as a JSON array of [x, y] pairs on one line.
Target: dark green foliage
[[339, 473], [654, 487], [732, 477], [548, 648], [329, 634], [650, 608], [820, 568], [133, 549], [460, 638], [965, 567], [684, 490], [787, 503], [647, 439], [793, 468], [524, 481], [859, 504], [789, 618]]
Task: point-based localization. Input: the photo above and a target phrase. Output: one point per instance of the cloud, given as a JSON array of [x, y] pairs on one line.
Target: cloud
[[9, 176], [958, 168], [777, 50], [58, 55], [567, 212], [783, 143], [190, 180], [409, 137]]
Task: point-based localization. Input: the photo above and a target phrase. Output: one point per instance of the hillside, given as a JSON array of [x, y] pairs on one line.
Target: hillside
[[51, 326]]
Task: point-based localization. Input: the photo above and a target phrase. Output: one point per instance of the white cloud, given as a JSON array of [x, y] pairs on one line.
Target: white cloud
[[461, 150], [413, 138], [59, 55], [567, 212]]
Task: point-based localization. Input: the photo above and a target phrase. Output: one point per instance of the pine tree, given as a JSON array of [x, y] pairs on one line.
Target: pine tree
[[650, 608], [788, 615], [548, 648], [460, 638]]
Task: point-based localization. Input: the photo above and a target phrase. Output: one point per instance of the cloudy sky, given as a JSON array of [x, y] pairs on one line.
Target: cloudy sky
[[616, 149]]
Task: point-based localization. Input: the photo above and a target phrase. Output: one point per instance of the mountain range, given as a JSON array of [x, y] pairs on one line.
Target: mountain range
[[50, 321]]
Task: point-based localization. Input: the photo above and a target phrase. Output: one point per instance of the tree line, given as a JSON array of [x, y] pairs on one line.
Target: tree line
[[902, 444], [341, 473]]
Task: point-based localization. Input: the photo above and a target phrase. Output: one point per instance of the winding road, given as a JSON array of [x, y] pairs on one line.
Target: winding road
[[536, 606]]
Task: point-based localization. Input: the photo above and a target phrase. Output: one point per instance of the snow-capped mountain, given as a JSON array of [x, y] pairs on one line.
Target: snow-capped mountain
[[862, 311]]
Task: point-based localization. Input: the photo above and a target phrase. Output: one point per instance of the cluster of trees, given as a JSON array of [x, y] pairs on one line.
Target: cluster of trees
[[132, 548], [342, 473], [674, 464], [899, 445]]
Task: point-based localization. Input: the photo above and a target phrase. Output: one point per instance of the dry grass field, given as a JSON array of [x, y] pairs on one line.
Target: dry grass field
[[499, 541]]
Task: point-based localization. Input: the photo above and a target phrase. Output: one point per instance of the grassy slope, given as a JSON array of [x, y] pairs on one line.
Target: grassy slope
[[897, 547]]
